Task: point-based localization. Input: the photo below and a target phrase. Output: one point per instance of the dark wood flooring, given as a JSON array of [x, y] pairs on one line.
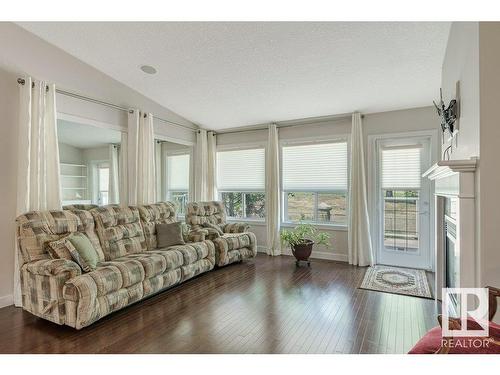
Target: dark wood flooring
[[262, 306]]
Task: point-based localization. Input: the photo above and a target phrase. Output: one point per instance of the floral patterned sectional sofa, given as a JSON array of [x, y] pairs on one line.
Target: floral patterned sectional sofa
[[131, 267]]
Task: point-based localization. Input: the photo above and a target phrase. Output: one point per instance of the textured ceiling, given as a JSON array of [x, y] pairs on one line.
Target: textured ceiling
[[222, 75]]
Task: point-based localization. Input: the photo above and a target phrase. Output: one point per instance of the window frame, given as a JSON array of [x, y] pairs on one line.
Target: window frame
[[340, 138], [241, 147], [168, 191], [94, 166]]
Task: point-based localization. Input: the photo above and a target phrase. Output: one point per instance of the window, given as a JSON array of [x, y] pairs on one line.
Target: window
[[178, 181], [314, 179], [401, 176], [241, 182], [103, 184]]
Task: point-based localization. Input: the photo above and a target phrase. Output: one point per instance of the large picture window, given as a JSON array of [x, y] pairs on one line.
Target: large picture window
[[241, 182], [314, 179], [178, 181]]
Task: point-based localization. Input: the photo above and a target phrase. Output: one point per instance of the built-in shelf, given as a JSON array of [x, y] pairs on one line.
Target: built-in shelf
[[74, 182], [73, 165]]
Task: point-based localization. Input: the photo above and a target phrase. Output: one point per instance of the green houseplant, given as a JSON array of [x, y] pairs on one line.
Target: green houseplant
[[301, 240]]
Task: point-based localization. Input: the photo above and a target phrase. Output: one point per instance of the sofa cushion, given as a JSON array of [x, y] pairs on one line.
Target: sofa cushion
[[237, 240], [169, 234], [156, 263], [60, 249], [198, 213], [215, 227], [236, 227], [131, 270], [153, 214], [191, 252], [37, 228], [82, 251], [173, 258], [233, 247], [87, 226], [119, 230]]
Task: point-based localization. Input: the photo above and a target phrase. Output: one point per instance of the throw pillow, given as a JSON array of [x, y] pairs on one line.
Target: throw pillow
[[60, 249], [84, 253], [213, 226], [169, 235]]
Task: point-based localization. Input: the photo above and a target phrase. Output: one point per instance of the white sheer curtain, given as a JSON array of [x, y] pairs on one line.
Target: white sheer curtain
[[123, 167], [114, 180], [201, 167], [212, 166], [159, 193], [161, 170], [273, 192], [38, 185], [141, 159], [359, 240]]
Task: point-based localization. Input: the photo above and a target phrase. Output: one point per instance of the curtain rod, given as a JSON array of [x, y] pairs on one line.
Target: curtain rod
[[289, 123], [21, 81]]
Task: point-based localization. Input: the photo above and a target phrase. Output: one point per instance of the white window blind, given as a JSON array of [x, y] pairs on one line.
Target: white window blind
[[401, 167], [241, 170], [178, 172], [315, 167]]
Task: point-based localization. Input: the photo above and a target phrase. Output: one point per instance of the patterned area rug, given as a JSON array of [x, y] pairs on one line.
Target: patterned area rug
[[396, 280]]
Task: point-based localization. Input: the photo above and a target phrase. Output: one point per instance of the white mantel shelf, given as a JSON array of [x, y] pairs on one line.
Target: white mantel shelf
[[445, 168]]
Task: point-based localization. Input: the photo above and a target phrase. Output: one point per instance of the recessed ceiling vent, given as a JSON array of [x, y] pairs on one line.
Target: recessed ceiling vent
[[148, 69]]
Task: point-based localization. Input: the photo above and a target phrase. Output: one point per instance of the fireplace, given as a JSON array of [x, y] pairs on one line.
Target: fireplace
[[451, 251], [455, 254]]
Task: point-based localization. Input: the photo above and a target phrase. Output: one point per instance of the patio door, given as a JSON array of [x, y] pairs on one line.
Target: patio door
[[403, 202]]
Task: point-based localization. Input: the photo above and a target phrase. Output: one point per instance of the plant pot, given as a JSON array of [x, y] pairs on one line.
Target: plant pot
[[303, 251]]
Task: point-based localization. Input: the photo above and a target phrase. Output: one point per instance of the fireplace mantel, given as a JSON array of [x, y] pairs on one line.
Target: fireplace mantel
[[455, 179], [445, 168]]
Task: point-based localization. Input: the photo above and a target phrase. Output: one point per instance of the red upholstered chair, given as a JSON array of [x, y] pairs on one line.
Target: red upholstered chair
[[432, 342]]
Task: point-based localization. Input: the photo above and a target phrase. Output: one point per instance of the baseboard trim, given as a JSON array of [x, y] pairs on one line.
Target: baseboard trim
[[6, 300], [314, 254], [261, 249]]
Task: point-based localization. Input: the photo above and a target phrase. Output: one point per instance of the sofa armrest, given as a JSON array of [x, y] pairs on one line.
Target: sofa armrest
[[42, 287], [197, 235], [236, 228], [54, 267]]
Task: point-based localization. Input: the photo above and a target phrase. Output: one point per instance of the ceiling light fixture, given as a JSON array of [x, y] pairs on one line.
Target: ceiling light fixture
[[148, 69]]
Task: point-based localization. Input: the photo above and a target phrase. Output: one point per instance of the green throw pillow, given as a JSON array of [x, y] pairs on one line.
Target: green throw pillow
[[85, 254]]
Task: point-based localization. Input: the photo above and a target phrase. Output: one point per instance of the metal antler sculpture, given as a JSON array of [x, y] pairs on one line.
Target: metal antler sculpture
[[448, 115]]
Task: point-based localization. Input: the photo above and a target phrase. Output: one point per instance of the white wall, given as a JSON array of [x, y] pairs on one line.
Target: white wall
[[23, 53], [8, 169], [489, 178], [70, 154], [473, 57], [461, 63], [374, 123]]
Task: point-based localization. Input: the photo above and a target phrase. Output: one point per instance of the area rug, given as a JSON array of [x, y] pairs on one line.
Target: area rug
[[397, 280]]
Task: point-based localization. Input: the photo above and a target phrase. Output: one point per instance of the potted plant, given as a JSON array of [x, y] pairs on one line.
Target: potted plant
[[301, 240]]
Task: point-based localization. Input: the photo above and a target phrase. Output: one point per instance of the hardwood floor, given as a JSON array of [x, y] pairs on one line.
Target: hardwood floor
[[263, 306]]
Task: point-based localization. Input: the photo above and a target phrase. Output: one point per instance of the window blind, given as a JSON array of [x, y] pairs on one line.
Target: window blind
[[401, 168], [178, 172], [241, 170], [315, 167]]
